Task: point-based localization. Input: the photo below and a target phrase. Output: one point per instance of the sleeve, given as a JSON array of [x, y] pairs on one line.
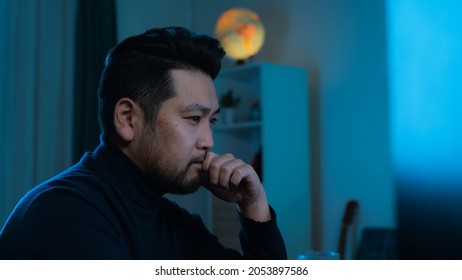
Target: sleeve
[[262, 240], [258, 241], [60, 225]]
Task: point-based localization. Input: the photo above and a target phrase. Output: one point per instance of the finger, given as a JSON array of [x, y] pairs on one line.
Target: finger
[[209, 156], [227, 170], [240, 173], [215, 167]]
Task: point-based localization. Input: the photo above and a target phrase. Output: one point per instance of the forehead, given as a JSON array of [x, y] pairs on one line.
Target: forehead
[[192, 87]]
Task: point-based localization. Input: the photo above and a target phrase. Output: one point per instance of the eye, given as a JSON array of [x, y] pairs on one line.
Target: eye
[[213, 121], [195, 119]]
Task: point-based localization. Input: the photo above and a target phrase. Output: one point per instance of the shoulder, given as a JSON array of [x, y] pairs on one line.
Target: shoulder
[[73, 184], [68, 194], [56, 217], [74, 192]]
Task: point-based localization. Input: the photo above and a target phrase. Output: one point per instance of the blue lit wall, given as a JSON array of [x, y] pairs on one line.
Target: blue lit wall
[[425, 71]]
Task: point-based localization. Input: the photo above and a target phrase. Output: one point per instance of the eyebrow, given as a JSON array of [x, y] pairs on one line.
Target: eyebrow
[[197, 107]]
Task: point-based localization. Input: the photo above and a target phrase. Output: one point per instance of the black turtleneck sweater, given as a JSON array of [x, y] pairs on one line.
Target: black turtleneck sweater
[[102, 208]]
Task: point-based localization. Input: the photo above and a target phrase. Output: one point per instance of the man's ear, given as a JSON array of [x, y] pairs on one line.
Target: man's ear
[[128, 118]]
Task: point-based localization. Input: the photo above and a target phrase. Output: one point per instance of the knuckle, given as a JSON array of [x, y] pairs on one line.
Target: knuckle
[[226, 169], [240, 170], [214, 164]]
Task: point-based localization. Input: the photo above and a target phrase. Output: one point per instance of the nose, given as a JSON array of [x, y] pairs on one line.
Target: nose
[[205, 139]]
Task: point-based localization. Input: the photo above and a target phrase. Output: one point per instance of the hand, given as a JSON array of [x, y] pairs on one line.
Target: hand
[[233, 180]]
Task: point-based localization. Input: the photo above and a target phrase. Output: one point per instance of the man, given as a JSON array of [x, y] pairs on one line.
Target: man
[[157, 107]]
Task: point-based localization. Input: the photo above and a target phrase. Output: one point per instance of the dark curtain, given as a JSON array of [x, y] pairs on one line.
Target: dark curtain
[[95, 36]]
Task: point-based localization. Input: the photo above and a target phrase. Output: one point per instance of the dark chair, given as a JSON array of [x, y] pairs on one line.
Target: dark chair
[[349, 215], [378, 244]]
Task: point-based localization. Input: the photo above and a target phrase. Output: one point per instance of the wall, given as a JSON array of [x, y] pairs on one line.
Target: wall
[[135, 17], [342, 45], [425, 40]]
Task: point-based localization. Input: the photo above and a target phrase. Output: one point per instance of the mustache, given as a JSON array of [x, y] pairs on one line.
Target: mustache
[[197, 159]]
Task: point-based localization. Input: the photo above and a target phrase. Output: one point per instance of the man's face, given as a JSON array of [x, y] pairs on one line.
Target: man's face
[[171, 149]]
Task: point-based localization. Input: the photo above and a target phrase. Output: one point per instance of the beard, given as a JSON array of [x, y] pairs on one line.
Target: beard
[[163, 173], [170, 178]]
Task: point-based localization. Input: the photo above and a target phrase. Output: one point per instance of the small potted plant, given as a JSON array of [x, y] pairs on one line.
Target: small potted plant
[[228, 103], [228, 100]]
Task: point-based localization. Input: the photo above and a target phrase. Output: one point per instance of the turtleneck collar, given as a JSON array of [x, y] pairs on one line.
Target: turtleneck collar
[[123, 173]]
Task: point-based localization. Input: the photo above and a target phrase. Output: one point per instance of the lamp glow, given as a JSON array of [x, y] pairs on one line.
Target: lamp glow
[[240, 32]]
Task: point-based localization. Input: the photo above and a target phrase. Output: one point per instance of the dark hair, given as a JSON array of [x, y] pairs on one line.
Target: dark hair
[[139, 68]]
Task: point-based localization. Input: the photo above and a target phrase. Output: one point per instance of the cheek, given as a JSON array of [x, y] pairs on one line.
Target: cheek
[[165, 131], [175, 138]]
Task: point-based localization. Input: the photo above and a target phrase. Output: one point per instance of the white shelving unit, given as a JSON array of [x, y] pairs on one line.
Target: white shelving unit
[[281, 135]]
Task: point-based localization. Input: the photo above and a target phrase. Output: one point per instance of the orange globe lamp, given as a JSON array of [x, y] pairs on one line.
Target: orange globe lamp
[[240, 32]]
